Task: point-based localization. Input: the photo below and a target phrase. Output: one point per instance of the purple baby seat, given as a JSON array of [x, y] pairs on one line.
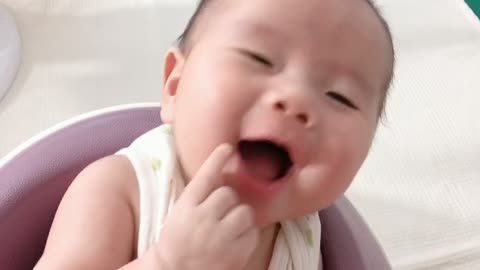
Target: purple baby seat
[[34, 177]]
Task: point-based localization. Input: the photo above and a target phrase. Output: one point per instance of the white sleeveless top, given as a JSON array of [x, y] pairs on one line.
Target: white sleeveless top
[[153, 158]]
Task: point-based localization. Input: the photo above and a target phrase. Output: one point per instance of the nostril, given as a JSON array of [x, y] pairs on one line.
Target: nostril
[[279, 106], [303, 118]]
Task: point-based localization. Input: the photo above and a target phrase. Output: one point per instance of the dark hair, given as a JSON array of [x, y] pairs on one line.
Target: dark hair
[[202, 4], [182, 39]]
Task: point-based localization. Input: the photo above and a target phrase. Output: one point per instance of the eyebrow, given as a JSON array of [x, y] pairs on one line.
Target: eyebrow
[[339, 71], [364, 84], [261, 29]]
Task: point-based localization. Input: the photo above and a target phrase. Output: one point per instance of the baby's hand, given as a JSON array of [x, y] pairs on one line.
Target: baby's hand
[[208, 228]]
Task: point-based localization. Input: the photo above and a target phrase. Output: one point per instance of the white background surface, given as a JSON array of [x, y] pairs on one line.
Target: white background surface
[[10, 50], [419, 189]]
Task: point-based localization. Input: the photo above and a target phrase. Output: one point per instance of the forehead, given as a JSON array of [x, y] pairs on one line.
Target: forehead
[[339, 32], [307, 15], [318, 22]]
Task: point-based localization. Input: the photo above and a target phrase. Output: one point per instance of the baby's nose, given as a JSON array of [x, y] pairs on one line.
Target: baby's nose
[[294, 106]]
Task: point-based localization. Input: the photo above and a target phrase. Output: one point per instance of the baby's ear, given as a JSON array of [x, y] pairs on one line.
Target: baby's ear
[[172, 71]]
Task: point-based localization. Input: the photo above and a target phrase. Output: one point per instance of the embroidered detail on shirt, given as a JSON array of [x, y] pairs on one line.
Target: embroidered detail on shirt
[[167, 129], [309, 236], [156, 164]]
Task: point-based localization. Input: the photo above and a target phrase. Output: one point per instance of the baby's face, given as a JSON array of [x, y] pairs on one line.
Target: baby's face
[[295, 85]]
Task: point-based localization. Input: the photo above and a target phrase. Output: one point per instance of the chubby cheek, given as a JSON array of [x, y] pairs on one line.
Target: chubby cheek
[[196, 136], [208, 113], [349, 158], [321, 183]]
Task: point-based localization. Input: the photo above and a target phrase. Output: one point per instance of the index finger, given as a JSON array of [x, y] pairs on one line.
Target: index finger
[[208, 177]]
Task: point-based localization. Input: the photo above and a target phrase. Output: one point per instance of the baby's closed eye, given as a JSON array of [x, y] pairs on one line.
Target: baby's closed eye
[[257, 57], [342, 99]]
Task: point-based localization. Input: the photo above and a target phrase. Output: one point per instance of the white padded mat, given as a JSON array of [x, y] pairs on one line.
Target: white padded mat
[[420, 187], [419, 190]]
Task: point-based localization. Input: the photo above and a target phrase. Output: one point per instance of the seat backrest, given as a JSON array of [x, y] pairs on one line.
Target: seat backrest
[[33, 181], [347, 242]]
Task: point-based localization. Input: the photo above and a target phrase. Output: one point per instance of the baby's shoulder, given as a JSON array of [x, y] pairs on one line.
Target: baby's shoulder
[[88, 216], [114, 169], [114, 175]]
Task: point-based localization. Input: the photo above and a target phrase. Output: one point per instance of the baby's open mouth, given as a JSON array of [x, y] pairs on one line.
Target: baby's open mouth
[[265, 159]]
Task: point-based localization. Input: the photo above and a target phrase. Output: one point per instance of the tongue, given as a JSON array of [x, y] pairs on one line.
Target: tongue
[[262, 160]]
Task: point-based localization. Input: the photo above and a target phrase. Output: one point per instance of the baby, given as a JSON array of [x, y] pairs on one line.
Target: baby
[[269, 109]]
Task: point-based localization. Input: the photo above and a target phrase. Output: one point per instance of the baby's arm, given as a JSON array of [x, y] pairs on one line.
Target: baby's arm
[[94, 227]]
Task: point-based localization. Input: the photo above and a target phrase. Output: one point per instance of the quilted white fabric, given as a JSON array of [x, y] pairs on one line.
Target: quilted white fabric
[[418, 189]]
